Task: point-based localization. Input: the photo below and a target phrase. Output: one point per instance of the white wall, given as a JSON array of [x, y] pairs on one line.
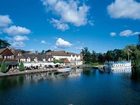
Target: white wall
[[29, 64], [74, 60]]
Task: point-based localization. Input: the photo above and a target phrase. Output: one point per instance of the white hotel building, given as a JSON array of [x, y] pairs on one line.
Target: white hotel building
[[48, 58]]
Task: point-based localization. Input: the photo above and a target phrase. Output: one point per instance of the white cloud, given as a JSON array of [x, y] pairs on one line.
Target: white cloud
[[17, 41], [21, 38], [5, 20], [16, 30], [18, 44], [113, 34], [68, 11], [43, 42], [17, 38], [128, 33], [60, 25], [124, 9], [61, 43]]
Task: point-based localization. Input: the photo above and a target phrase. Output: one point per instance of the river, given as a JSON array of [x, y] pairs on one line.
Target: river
[[90, 87]]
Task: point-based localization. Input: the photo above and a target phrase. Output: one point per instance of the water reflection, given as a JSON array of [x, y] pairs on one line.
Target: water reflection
[[17, 81], [8, 82], [89, 71], [135, 73], [75, 73], [87, 87]]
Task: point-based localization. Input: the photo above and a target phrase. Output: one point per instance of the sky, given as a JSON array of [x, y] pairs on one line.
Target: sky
[[70, 25]]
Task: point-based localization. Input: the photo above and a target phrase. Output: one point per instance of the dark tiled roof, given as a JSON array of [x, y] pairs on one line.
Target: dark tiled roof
[[3, 49], [40, 57], [60, 53]]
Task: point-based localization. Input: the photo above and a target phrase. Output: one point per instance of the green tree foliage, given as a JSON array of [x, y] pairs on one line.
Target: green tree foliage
[[116, 55], [101, 58], [4, 43], [43, 52], [48, 51], [3, 67], [57, 61], [94, 57], [128, 53], [87, 57], [21, 66]]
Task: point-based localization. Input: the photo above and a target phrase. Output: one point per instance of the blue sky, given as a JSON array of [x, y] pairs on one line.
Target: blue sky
[[70, 25]]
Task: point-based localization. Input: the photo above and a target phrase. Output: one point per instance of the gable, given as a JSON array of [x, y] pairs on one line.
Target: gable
[[6, 52]]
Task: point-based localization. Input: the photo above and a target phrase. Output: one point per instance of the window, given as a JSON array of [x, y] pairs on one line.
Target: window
[[5, 57]]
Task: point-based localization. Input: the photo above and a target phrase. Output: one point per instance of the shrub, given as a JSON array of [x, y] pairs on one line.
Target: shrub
[[57, 61], [3, 67], [21, 66]]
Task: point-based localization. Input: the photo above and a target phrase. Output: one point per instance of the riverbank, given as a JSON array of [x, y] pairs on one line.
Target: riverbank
[[27, 72], [51, 70]]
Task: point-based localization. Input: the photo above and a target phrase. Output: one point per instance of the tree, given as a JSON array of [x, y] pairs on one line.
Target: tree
[[21, 66], [43, 52], [101, 58], [86, 55], [4, 43], [109, 56], [48, 51], [94, 57], [57, 61], [4, 67]]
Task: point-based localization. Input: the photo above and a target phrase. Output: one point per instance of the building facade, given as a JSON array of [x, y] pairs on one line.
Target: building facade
[[66, 58], [13, 57], [72, 58], [7, 56]]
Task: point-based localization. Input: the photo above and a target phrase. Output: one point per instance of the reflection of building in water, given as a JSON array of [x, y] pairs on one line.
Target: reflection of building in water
[[44, 76], [75, 73], [34, 78], [37, 77]]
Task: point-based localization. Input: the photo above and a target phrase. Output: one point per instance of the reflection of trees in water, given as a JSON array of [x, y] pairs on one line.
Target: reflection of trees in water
[[89, 71], [135, 73], [8, 82], [136, 66], [135, 58]]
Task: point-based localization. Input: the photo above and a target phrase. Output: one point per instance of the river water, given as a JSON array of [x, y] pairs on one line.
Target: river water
[[90, 87]]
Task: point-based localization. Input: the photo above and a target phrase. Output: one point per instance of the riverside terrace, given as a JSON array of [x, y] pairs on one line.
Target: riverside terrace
[[13, 57]]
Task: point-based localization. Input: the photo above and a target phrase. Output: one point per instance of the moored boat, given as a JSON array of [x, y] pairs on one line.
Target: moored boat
[[119, 66]]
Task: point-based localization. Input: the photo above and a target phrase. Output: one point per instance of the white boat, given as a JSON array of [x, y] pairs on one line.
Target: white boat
[[120, 66], [64, 70]]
